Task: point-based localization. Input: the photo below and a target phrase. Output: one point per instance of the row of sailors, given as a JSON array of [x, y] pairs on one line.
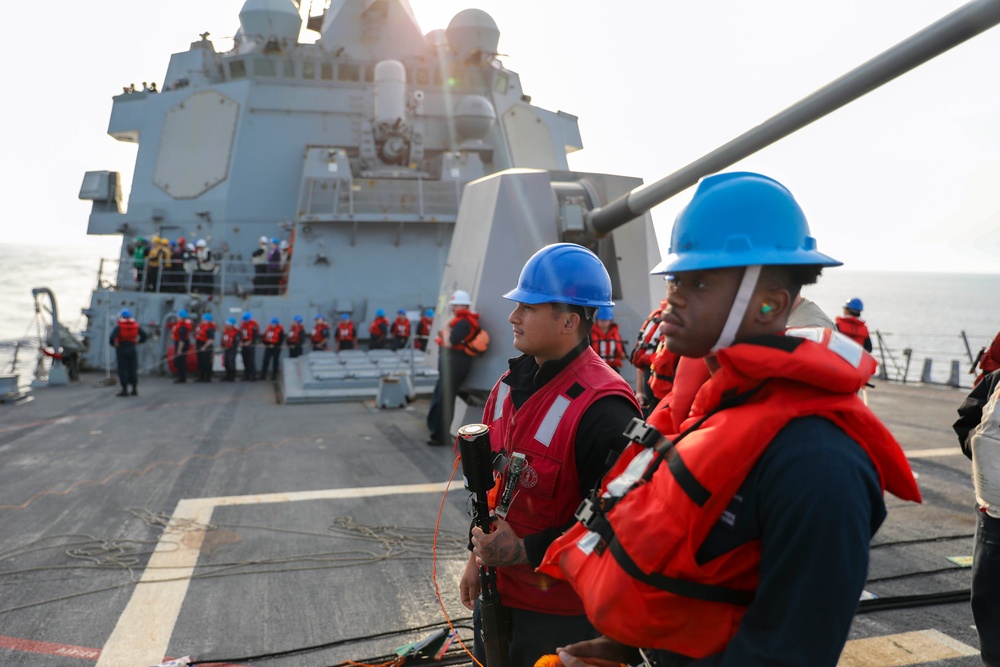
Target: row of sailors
[[244, 338]]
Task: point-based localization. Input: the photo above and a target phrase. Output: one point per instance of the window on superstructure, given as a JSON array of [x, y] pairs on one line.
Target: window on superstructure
[[237, 69], [348, 72], [308, 69], [264, 67], [289, 69], [326, 71]]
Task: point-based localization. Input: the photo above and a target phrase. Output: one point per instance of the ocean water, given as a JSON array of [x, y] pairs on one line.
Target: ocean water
[[923, 312]]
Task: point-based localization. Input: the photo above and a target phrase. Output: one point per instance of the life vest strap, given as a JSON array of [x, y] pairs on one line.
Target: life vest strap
[[682, 587], [642, 433]]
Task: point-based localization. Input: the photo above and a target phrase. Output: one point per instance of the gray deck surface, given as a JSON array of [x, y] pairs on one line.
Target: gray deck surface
[[89, 478]]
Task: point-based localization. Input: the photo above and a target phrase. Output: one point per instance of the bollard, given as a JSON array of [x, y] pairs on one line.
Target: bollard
[[953, 377], [925, 375]]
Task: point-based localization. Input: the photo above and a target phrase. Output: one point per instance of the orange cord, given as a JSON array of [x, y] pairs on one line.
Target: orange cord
[[437, 591]]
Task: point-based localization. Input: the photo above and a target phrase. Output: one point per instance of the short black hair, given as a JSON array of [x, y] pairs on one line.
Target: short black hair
[[791, 276]]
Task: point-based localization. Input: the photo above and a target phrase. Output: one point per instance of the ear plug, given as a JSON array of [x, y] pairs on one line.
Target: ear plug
[[766, 308]]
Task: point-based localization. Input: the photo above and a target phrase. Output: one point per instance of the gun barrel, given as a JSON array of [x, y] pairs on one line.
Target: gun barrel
[[955, 28]]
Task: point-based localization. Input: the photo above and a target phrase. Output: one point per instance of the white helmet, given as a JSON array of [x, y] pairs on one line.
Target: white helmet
[[201, 243], [263, 239], [283, 244], [460, 298]]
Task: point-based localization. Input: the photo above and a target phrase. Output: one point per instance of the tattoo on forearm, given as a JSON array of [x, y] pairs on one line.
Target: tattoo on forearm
[[507, 549]]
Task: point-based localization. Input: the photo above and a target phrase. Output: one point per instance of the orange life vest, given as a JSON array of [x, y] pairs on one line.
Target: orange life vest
[[544, 429], [249, 331], [295, 334], [695, 608], [854, 328], [229, 335], [205, 331], [608, 345], [272, 334], [379, 327], [401, 328], [345, 330], [662, 367], [647, 339], [321, 333], [181, 330], [128, 330], [472, 318]]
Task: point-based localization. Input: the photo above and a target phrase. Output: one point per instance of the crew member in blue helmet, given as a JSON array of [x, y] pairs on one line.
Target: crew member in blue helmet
[[296, 338], [181, 335], [378, 331], [249, 337], [564, 409], [424, 328], [274, 337], [736, 529], [851, 325], [125, 337]]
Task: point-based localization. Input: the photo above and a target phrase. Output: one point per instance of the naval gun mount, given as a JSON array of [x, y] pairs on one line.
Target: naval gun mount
[[518, 211]]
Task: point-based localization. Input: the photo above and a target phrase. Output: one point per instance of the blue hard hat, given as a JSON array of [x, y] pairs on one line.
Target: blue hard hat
[[605, 313], [563, 273], [182, 313], [298, 318], [274, 241], [379, 312], [275, 320], [401, 311], [319, 316], [207, 317], [855, 304], [429, 313], [231, 320], [741, 219], [345, 316], [247, 317], [126, 313]]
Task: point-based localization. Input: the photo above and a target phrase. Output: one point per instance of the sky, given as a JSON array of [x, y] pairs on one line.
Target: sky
[[904, 179]]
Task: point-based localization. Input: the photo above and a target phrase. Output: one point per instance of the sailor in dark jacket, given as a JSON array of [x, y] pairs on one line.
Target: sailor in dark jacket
[[125, 337]]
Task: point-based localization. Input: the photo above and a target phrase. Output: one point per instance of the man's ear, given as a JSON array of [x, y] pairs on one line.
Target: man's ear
[[775, 304], [571, 322]]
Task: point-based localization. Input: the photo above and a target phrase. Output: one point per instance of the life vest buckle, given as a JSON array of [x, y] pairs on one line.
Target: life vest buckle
[[642, 433]]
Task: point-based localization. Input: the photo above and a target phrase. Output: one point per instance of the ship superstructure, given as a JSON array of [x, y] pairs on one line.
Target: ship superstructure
[[354, 150]]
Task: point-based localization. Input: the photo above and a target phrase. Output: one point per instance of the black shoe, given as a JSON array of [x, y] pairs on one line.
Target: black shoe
[[179, 380], [122, 393], [135, 391], [431, 442]]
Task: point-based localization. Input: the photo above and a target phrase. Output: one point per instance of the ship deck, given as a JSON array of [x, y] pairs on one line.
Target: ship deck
[[210, 520]]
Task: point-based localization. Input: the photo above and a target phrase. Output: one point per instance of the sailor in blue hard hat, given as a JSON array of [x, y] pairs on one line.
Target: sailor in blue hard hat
[[736, 225], [851, 325], [770, 468], [565, 409]]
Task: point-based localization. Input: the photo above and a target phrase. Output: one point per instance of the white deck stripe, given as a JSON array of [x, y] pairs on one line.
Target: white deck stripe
[[143, 631], [934, 453]]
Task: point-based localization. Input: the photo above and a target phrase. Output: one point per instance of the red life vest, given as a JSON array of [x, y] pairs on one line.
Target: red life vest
[[782, 382], [345, 330], [128, 330], [854, 328], [662, 367], [205, 331], [229, 335], [379, 327], [460, 314], [608, 345], [647, 339], [181, 330], [295, 334], [249, 331], [321, 333], [401, 328], [424, 327], [544, 429], [272, 334]]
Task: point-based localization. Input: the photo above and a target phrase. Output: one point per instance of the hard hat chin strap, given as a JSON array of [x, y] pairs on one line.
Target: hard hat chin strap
[[739, 309]]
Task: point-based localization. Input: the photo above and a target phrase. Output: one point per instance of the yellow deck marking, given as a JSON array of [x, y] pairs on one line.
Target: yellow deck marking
[[933, 453], [907, 648], [143, 630]]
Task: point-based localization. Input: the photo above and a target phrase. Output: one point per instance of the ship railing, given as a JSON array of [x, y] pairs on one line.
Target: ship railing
[[230, 276], [329, 199], [945, 359]]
